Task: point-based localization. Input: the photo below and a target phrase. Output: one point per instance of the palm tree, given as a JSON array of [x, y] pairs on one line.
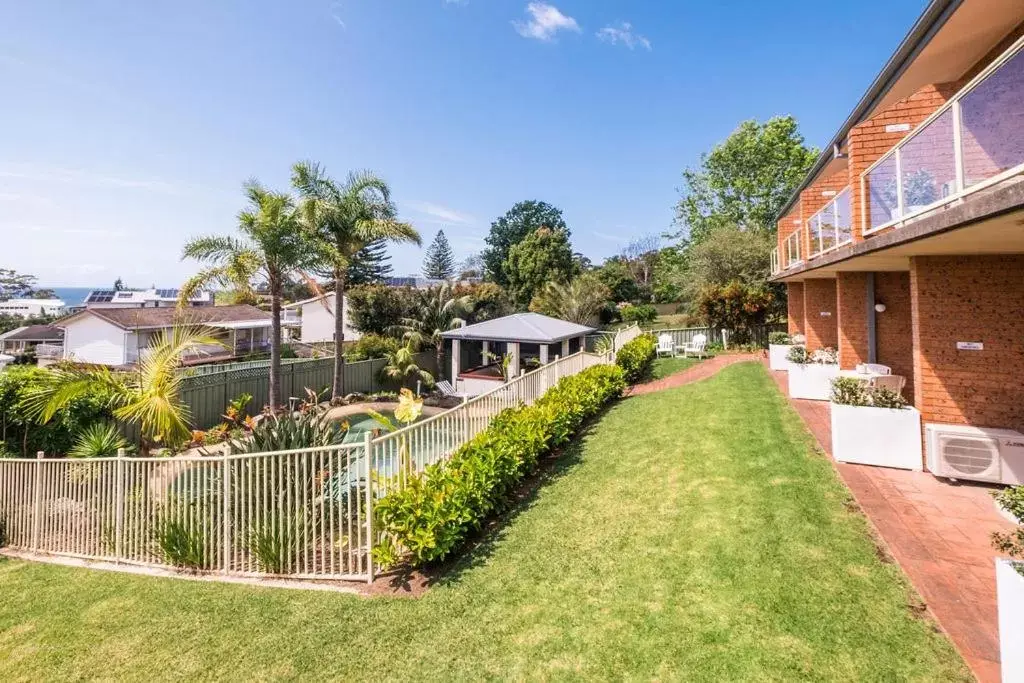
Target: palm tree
[[346, 217], [579, 301], [273, 246], [438, 310], [149, 396], [401, 367]]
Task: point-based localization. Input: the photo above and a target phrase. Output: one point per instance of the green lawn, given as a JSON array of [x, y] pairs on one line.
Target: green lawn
[[692, 535], [663, 367]]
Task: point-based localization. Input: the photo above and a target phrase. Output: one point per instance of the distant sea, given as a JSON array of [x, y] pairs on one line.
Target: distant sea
[[72, 296]]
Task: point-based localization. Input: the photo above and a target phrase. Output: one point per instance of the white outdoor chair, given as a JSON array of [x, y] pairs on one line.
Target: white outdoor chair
[[892, 382], [695, 346], [665, 345], [876, 369], [446, 389]]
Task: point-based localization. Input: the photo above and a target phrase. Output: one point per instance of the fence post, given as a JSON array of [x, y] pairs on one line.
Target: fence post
[[367, 456], [465, 419], [225, 513], [119, 506], [37, 500]]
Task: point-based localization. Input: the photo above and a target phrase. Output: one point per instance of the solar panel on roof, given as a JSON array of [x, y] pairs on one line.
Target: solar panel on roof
[[100, 296]]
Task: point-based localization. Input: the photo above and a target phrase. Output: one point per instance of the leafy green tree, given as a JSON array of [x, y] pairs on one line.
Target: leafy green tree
[[439, 263], [489, 300], [737, 306], [436, 311], [346, 218], [272, 246], [401, 367], [580, 301], [14, 285], [544, 256], [371, 265], [616, 275], [523, 219], [119, 285], [745, 180], [377, 309]]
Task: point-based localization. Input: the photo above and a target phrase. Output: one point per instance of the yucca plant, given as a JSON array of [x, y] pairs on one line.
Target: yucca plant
[[181, 544], [98, 440]]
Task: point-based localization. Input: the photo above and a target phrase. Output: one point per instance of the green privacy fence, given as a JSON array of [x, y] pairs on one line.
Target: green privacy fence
[[207, 395]]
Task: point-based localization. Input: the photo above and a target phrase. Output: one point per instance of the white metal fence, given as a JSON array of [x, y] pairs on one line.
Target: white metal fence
[[299, 514]]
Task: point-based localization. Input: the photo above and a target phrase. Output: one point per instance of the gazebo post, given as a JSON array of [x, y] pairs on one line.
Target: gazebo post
[[513, 366], [565, 348], [485, 348], [543, 354], [456, 360]]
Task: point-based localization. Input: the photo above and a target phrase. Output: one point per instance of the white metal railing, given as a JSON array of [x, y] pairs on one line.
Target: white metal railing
[[831, 227], [775, 261], [972, 142], [303, 514], [792, 249]]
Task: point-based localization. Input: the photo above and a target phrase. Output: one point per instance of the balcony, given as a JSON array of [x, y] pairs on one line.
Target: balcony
[[974, 141], [831, 226], [775, 261]]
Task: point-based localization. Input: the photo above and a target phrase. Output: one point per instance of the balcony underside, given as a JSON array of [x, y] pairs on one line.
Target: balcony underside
[[990, 222]]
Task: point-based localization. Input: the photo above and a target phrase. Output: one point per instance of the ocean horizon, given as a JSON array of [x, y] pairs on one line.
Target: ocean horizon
[[71, 296]]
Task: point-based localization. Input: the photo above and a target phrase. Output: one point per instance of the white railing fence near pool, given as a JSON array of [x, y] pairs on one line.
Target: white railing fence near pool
[[303, 514]]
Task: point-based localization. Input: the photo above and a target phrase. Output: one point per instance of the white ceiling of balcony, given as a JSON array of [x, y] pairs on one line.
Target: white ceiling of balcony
[[974, 29]]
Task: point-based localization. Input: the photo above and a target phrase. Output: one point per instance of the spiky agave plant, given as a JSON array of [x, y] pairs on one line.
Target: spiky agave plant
[[98, 440]]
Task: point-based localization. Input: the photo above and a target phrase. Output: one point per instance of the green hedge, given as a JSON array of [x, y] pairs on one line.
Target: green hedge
[[635, 357], [436, 511]]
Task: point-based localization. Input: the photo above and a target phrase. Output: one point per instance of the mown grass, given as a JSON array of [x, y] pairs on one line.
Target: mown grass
[[663, 367], [692, 534]]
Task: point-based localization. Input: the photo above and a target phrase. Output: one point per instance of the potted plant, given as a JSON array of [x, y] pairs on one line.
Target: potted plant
[[1010, 585], [874, 427], [811, 374], [779, 344]]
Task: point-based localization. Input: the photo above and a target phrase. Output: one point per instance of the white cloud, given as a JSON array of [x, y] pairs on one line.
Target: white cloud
[[545, 21], [335, 12], [623, 34], [89, 178], [440, 214]]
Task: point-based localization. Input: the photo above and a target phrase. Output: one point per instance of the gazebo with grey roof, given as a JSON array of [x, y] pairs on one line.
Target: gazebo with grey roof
[[513, 333]]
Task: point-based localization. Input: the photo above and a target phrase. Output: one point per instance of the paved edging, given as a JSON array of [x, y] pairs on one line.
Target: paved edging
[[700, 371]]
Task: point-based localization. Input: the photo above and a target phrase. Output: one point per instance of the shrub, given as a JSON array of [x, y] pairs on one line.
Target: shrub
[[371, 346], [182, 544], [635, 357], [825, 356], [798, 355], [438, 509], [98, 440], [640, 313], [310, 428], [849, 391], [779, 338], [1011, 543]]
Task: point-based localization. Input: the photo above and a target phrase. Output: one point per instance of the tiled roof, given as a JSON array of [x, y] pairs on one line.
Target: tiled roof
[[35, 333], [137, 318]]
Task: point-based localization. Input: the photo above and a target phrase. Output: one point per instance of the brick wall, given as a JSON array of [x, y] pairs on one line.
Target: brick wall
[[851, 296], [820, 297], [795, 307], [894, 341], [975, 299]]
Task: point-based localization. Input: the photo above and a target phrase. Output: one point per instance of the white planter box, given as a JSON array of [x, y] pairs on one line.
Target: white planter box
[[777, 356], [886, 437], [1010, 599], [812, 381]]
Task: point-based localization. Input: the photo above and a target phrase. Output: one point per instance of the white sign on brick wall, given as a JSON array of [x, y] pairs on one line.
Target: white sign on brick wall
[[897, 128], [826, 314], [970, 346]]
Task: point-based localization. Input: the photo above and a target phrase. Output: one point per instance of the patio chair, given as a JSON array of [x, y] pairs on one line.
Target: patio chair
[[877, 369], [446, 389], [695, 346], [665, 345], [892, 382]]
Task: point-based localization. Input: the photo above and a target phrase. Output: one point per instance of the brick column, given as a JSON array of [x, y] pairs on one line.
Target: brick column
[[852, 325], [795, 307], [820, 323], [894, 327]]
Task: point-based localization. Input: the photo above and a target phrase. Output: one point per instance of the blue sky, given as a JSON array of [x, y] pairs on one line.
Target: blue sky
[[128, 127]]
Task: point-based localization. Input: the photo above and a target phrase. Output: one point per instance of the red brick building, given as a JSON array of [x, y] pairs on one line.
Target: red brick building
[[904, 245]]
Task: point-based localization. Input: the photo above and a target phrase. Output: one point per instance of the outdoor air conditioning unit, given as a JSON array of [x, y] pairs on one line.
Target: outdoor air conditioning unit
[[975, 453]]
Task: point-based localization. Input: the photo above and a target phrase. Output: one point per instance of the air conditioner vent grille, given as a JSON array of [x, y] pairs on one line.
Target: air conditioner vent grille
[[969, 456]]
